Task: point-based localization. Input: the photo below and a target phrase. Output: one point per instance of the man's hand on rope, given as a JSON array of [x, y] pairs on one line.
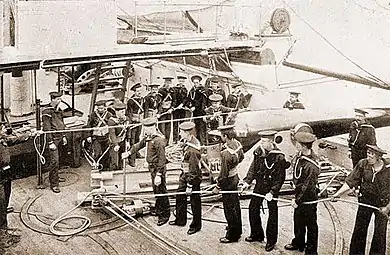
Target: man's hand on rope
[[157, 179], [52, 146], [189, 189], [294, 204], [269, 197]]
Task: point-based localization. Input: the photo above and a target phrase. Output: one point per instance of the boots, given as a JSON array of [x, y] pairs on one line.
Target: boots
[[7, 239]]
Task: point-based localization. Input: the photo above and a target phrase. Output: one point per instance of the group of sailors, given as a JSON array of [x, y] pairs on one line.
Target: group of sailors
[[371, 173]]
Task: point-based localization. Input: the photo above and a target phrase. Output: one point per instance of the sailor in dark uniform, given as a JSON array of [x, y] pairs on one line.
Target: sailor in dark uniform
[[99, 137], [361, 133], [6, 238], [135, 114], [293, 102], [372, 174], [165, 109], [118, 135], [198, 101], [268, 168], [180, 98], [52, 120], [231, 155], [155, 143], [216, 114], [214, 88], [151, 102], [305, 178], [190, 179]]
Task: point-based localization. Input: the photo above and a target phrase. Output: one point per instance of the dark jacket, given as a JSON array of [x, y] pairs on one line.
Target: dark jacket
[[52, 119], [360, 135], [230, 158]]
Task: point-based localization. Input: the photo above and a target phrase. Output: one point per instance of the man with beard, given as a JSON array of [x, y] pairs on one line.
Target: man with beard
[[151, 102], [52, 120], [197, 101], [231, 155], [179, 100], [268, 168], [372, 174], [165, 94], [190, 179], [293, 102]]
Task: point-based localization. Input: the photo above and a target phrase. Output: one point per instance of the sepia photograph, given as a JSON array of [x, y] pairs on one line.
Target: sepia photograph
[[194, 127]]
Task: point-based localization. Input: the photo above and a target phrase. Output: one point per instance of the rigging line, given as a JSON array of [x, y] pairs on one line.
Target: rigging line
[[330, 44], [308, 84], [362, 7], [381, 6]]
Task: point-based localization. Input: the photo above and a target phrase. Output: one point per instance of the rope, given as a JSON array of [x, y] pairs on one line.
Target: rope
[[84, 226], [40, 153]]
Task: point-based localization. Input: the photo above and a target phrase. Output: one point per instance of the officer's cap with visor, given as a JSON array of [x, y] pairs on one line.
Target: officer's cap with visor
[[215, 97], [181, 77], [187, 126], [100, 102], [294, 93], [360, 112], [149, 122], [55, 94], [153, 85], [196, 77], [375, 149], [168, 78], [305, 137], [136, 86]]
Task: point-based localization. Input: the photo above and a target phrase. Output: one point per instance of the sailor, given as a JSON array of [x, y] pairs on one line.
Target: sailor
[[118, 98], [197, 101], [155, 143], [214, 88], [52, 120], [231, 155], [216, 114], [179, 101], [118, 135], [151, 102], [361, 133], [305, 177], [99, 137], [135, 113], [6, 238], [190, 179], [165, 109], [237, 99], [372, 174], [268, 168], [293, 102]]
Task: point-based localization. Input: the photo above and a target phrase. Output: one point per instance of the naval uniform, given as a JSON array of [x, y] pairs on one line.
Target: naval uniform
[[155, 156], [237, 101], [135, 114], [5, 185], [218, 91], [359, 136], [374, 190], [179, 94], [227, 181], [198, 99], [166, 100], [52, 120], [269, 171], [117, 136], [151, 105], [306, 172], [191, 175], [213, 122], [100, 141], [293, 105]]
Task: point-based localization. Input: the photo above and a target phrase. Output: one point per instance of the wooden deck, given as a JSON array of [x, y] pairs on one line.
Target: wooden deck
[[109, 235]]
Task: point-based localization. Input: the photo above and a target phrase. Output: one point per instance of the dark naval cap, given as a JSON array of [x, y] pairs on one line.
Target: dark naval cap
[[187, 126], [268, 134], [360, 111], [294, 93], [214, 79], [305, 137], [136, 86], [376, 149], [100, 102], [226, 128], [168, 78], [181, 77], [215, 97], [153, 85], [196, 77], [55, 94], [149, 122], [119, 106]]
